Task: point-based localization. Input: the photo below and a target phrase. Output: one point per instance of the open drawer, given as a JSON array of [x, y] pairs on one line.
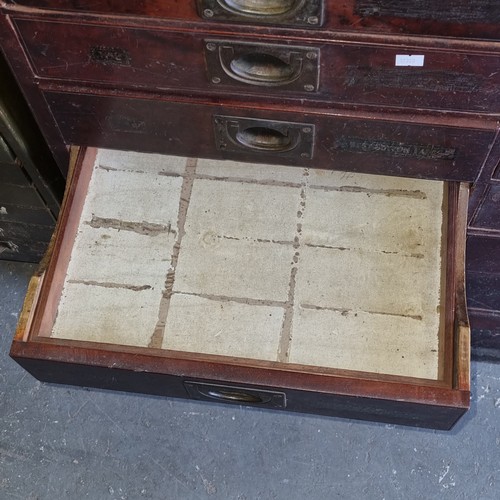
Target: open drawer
[[294, 288]]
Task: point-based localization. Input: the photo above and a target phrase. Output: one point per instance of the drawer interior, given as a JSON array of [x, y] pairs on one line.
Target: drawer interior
[[299, 266]]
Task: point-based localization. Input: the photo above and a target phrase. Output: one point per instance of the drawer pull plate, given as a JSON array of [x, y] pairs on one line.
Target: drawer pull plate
[[281, 12], [283, 139], [235, 395], [287, 67]]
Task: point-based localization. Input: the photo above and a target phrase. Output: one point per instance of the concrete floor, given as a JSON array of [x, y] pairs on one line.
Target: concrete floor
[[61, 442]]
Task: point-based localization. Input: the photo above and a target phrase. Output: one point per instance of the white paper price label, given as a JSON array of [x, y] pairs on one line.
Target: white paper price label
[[409, 60]]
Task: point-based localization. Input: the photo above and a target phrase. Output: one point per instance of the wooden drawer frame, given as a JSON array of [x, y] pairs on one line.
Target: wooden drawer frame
[[344, 393]]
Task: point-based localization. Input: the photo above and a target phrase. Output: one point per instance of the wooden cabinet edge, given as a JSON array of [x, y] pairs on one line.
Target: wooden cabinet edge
[[462, 327], [24, 324]]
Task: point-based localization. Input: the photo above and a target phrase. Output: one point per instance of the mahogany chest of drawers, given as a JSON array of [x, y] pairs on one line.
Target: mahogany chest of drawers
[[404, 89]]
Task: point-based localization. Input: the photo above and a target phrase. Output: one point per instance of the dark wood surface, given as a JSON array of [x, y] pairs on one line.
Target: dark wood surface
[[439, 416], [31, 186], [16, 59], [451, 18], [356, 73], [487, 216], [359, 142]]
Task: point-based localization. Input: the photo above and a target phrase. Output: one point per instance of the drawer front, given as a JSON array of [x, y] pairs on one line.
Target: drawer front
[[153, 59], [29, 232], [21, 250], [20, 195], [483, 293], [458, 18], [89, 374], [412, 77], [337, 142], [239, 395], [10, 173], [485, 335], [333, 72], [296, 13], [368, 74]]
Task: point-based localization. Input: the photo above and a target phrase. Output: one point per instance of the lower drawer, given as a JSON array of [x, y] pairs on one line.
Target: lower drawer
[[356, 142], [296, 289]]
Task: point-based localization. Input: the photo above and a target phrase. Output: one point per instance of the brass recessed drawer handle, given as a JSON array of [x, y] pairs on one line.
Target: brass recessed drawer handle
[[260, 7], [262, 69], [249, 135], [235, 395], [300, 13], [266, 139], [287, 67]]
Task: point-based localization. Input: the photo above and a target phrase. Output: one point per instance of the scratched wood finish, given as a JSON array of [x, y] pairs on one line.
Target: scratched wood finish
[[458, 18], [354, 73]]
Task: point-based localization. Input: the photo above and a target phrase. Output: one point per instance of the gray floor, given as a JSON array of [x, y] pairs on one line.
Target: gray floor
[[62, 442]]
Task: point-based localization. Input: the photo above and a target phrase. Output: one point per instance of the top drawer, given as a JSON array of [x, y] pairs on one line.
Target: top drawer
[[452, 18], [333, 71]]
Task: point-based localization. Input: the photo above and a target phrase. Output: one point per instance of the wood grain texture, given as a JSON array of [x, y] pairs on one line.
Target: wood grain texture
[[354, 73], [393, 411], [343, 141], [476, 20]]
